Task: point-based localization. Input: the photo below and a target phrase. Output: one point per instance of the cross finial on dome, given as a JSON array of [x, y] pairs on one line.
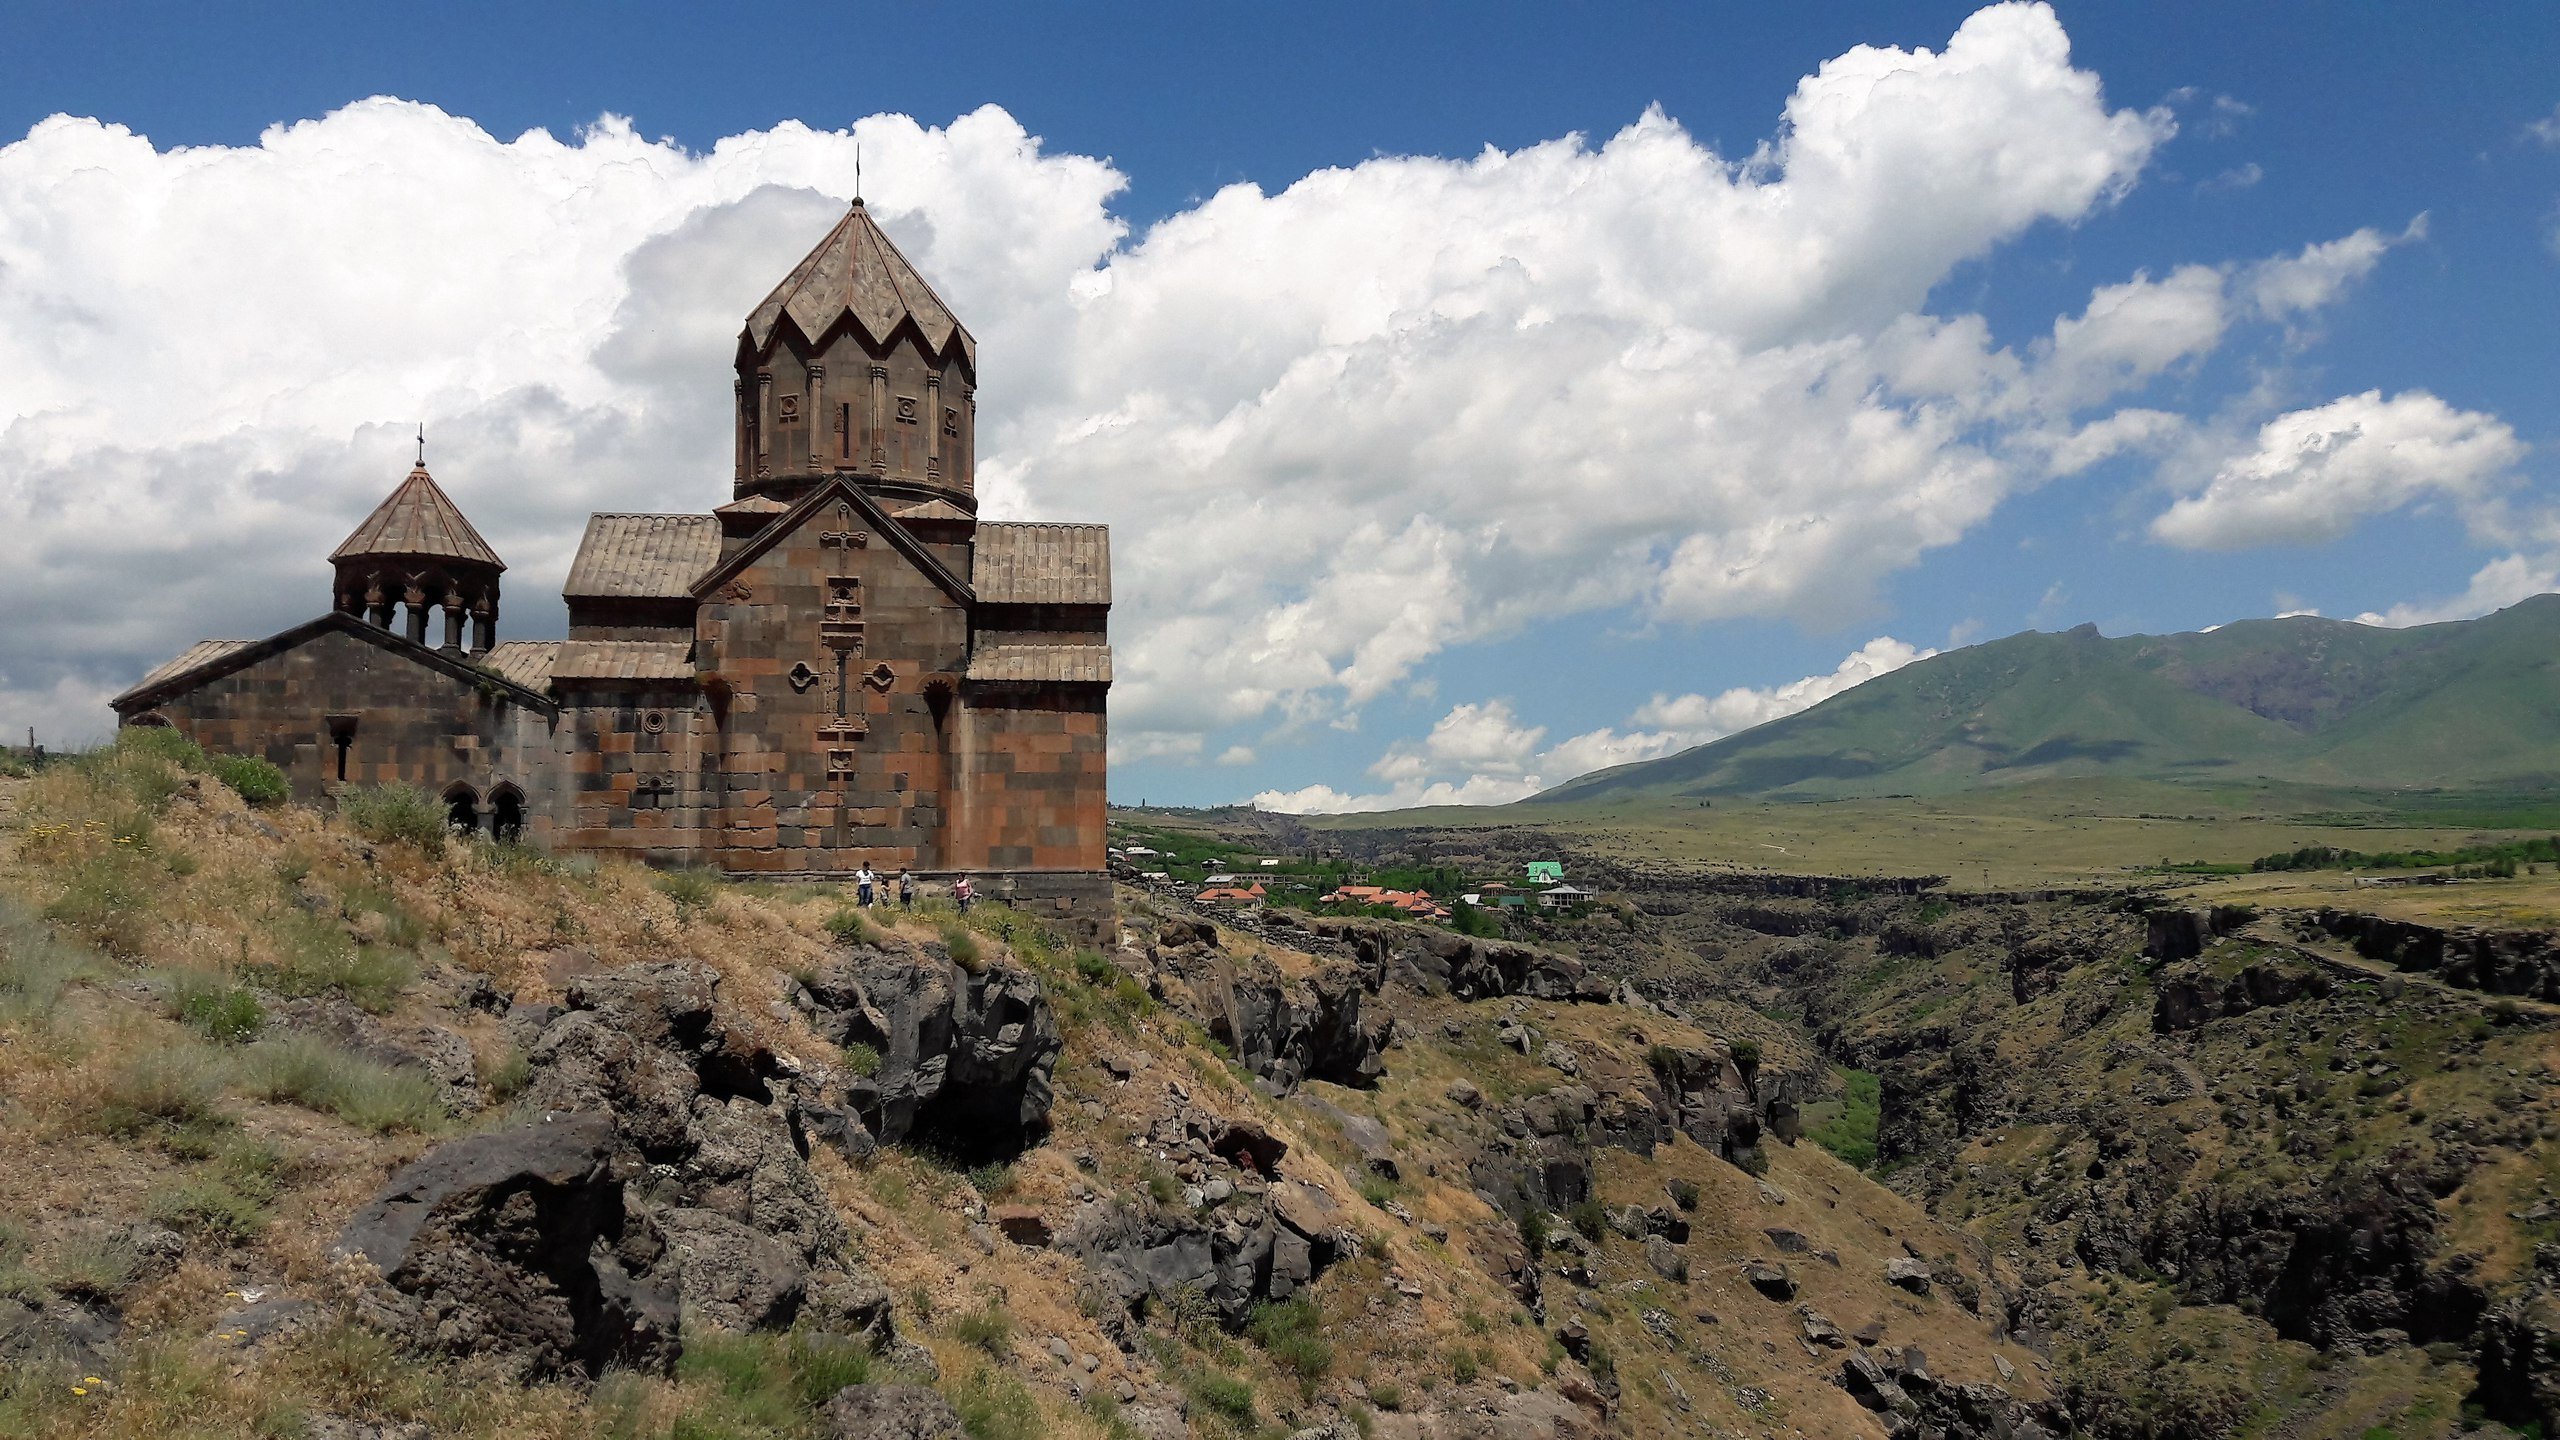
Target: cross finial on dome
[[422, 444]]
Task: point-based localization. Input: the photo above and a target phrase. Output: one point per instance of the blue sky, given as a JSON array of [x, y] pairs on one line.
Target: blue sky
[[2240, 136]]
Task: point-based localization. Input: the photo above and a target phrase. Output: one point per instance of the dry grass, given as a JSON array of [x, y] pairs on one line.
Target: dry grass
[[119, 1100]]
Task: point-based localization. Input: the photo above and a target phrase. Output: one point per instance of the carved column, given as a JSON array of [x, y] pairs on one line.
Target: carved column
[[743, 423], [453, 619], [764, 422], [933, 425], [416, 601], [484, 625], [817, 426], [879, 419]]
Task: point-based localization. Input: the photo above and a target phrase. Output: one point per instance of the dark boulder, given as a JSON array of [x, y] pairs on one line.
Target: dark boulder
[[1290, 1032], [965, 1059], [518, 1245], [1256, 1252]]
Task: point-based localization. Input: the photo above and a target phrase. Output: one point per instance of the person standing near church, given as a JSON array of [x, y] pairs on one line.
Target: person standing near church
[[863, 884], [906, 888], [961, 894]]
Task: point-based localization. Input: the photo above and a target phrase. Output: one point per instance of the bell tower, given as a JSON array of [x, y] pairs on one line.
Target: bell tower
[[854, 367], [416, 555]]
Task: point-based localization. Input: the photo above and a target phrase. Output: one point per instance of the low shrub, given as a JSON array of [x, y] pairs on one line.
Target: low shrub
[[318, 958], [692, 890], [317, 1075], [35, 969], [1221, 1394], [994, 1405], [1388, 1396], [224, 1200], [766, 1384], [1533, 1230], [989, 1327], [503, 1072], [1684, 1193], [1291, 1332], [964, 949], [861, 1059], [850, 927], [161, 1089], [224, 1014], [93, 1265], [1589, 1218], [254, 780], [108, 899], [1375, 1188], [993, 1181], [394, 814]]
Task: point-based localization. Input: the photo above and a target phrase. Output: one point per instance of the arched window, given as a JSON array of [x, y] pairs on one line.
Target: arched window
[[462, 809], [506, 814]]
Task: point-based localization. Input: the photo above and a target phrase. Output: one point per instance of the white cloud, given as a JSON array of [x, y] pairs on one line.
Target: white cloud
[[1391, 408], [2546, 130], [1480, 754], [2291, 286], [2132, 332], [2238, 177], [1237, 755], [2498, 584], [2314, 473]]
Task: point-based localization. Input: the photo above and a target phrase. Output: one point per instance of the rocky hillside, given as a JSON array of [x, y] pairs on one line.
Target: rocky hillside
[[331, 1127], [2253, 1176]]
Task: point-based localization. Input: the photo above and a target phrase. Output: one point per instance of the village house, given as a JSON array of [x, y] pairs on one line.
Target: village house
[[840, 665]]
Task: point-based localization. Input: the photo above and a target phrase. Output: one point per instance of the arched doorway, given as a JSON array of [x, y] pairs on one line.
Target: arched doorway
[[462, 809], [506, 814]]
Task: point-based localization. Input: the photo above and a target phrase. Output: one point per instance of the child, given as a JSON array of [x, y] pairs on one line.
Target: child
[[961, 893], [863, 880]]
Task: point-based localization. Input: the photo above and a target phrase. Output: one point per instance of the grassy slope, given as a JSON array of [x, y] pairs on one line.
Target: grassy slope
[[2463, 705], [116, 1105]]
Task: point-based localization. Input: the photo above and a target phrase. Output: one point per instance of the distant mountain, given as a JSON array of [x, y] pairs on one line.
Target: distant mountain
[[2473, 704]]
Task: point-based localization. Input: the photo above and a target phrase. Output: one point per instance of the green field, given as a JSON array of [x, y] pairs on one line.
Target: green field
[[2044, 833]]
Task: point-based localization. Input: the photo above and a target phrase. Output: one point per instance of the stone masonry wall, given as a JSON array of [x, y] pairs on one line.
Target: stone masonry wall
[[406, 720], [1034, 783], [825, 768]]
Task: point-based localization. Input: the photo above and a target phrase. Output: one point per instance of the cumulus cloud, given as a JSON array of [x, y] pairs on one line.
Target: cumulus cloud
[[2313, 474], [1338, 427], [2498, 584], [2290, 286], [1481, 754]]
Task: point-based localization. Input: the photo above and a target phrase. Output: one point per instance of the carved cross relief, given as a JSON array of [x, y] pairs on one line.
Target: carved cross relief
[[844, 536]]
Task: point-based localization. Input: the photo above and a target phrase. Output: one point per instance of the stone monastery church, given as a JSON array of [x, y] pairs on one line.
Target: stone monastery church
[[841, 665]]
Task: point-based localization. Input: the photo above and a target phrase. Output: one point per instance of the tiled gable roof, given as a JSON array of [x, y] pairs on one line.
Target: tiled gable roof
[[203, 652], [526, 662], [1052, 664], [1041, 564], [642, 557], [418, 520], [624, 660]]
